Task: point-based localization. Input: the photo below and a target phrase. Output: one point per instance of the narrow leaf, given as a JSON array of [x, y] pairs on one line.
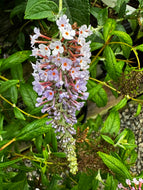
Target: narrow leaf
[[7, 84], [120, 105], [13, 94], [34, 129], [111, 64], [138, 110], [139, 47], [108, 29], [15, 59], [107, 139], [115, 165], [5, 164]]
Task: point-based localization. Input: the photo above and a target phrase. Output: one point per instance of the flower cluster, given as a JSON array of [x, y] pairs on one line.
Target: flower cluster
[[137, 184], [61, 76]]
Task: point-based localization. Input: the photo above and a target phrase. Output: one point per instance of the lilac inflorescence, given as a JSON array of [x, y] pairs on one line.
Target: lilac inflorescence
[[60, 78], [133, 185], [60, 72]]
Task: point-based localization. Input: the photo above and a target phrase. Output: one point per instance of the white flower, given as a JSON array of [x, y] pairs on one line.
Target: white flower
[[56, 47], [68, 33], [44, 50], [62, 22], [84, 31]]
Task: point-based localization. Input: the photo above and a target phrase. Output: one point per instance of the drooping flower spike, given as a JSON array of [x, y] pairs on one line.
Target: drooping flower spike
[[60, 78]]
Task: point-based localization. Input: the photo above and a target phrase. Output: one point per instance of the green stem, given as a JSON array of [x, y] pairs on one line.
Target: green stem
[[132, 48], [60, 5]]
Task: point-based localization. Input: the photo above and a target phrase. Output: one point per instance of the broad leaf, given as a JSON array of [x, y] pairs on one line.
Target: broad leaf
[[139, 47], [125, 38], [39, 9], [107, 139], [112, 123], [97, 93], [28, 95], [18, 114], [120, 105]]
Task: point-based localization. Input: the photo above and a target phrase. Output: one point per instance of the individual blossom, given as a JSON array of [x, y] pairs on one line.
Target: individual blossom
[[56, 47]]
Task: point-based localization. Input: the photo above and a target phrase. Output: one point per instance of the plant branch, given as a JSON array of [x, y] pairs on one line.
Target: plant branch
[[132, 48], [105, 84]]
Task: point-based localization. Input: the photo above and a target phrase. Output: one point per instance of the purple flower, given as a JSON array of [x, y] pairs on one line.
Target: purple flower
[[53, 75], [49, 94], [66, 64]]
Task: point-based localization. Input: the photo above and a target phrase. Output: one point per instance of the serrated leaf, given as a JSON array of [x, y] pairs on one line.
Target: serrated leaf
[[18, 114], [41, 9], [15, 59], [8, 163], [115, 165], [112, 123], [7, 84], [34, 129], [124, 37], [28, 95], [120, 105], [108, 29], [97, 93], [107, 139], [111, 64]]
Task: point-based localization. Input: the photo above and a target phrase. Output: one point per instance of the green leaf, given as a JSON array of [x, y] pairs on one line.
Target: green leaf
[[95, 45], [34, 129], [21, 40], [18, 114], [19, 9], [100, 14], [110, 183], [97, 93], [85, 182], [13, 94], [115, 165], [1, 121], [111, 64], [39, 9], [17, 72], [112, 123], [15, 59], [7, 84], [138, 110], [28, 95], [59, 154], [107, 139], [139, 47], [125, 38], [108, 29], [121, 136], [5, 164], [120, 105], [54, 141]]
